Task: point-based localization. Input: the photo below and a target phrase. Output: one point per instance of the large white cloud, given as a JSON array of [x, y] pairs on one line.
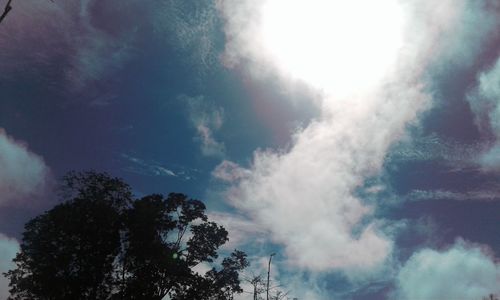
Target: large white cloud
[[461, 272], [305, 195], [8, 249], [23, 174]]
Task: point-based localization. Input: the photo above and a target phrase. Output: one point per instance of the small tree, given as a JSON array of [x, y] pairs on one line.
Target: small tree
[[100, 243]]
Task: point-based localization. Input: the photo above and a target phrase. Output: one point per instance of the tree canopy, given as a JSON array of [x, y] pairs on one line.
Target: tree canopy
[[101, 243]]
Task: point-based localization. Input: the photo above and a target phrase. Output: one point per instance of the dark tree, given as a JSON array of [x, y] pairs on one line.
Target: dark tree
[[69, 251], [101, 244], [217, 284]]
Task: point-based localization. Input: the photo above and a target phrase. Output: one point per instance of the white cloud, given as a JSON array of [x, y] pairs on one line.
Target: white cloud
[[239, 229], [451, 31], [209, 146], [8, 249], [304, 195], [140, 166], [23, 174], [243, 233], [484, 101], [487, 194], [229, 171], [459, 29], [24, 178], [461, 272], [206, 119]]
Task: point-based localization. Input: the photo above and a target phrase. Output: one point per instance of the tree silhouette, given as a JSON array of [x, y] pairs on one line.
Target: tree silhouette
[[69, 251], [100, 243]]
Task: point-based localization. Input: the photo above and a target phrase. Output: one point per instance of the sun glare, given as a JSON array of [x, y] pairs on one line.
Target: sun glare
[[337, 46]]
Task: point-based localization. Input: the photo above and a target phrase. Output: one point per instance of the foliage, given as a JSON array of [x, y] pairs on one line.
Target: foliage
[[100, 243]]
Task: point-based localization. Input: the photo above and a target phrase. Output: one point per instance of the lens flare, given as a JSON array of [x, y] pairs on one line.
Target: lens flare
[[337, 46]]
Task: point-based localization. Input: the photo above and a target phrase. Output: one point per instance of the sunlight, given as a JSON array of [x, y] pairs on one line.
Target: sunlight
[[337, 46]]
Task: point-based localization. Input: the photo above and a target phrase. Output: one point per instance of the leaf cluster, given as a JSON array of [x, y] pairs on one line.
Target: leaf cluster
[[100, 243]]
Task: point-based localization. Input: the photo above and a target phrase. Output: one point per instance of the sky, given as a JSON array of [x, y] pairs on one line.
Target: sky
[[358, 140]]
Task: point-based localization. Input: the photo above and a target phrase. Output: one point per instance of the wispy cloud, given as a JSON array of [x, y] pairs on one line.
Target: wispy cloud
[[79, 46], [492, 194], [64, 39], [229, 171], [462, 29], [434, 148], [240, 229], [190, 26], [143, 167], [207, 119]]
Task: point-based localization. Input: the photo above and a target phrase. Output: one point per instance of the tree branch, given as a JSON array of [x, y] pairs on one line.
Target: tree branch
[[6, 10]]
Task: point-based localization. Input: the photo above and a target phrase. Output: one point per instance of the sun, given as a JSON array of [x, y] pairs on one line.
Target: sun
[[337, 46]]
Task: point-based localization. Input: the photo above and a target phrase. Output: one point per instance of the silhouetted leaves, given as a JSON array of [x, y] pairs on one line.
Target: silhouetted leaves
[[101, 244], [217, 284], [207, 238]]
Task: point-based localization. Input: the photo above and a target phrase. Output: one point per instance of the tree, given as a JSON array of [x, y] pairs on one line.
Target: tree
[[100, 243], [217, 284], [69, 251]]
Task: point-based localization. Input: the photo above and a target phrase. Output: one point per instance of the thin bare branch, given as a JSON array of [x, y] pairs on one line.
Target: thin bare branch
[[7, 9]]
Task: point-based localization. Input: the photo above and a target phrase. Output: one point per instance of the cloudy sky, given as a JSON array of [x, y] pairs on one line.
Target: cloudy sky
[[359, 140]]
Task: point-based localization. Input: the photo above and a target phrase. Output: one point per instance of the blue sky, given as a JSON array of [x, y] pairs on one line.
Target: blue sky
[[364, 153]]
